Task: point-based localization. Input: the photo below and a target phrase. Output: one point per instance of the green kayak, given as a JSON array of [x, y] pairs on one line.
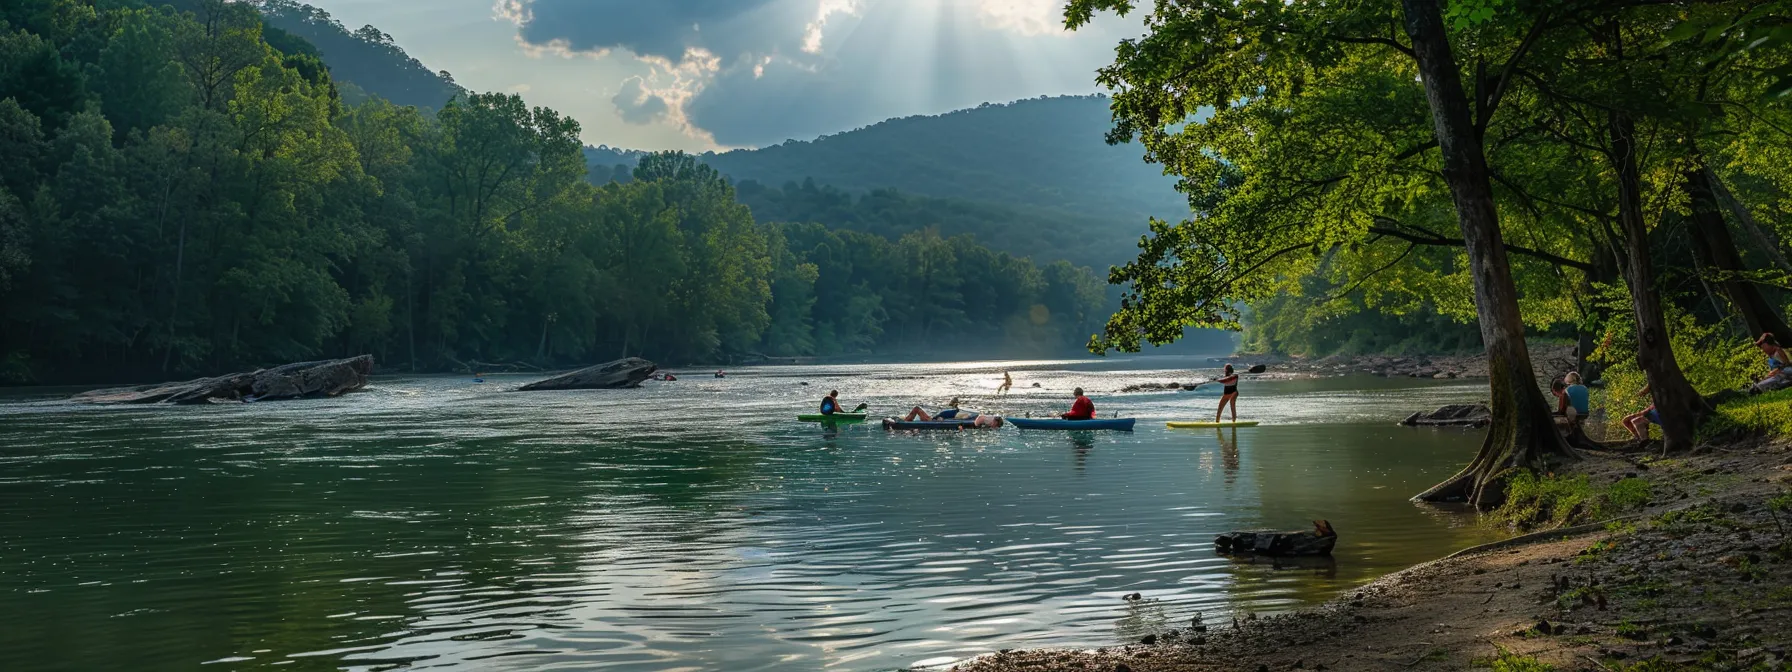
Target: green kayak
[[837, 417]]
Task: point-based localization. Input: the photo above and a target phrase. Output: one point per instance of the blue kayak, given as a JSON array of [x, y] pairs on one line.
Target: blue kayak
[[896, 423], [1122, 424]]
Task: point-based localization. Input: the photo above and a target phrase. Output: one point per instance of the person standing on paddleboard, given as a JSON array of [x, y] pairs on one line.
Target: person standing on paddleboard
[[1228, 396]]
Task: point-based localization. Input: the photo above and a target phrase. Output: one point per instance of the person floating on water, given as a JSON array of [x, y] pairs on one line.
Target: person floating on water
[[1081, 409], [1638, 423], [1779, 366], [719, 374], [1007, 384], [1228, 396], [951, 412]]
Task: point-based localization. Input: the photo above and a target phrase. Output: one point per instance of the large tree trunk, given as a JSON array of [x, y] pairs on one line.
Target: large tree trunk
[[1679, 406], [1522, 433], [1747, 220], [1712, 243]]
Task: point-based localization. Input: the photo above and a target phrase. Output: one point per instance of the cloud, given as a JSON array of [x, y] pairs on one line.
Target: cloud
[[755, 72], [638, 105]]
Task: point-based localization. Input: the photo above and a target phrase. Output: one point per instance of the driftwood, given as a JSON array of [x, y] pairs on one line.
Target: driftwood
[[620, 374], [292, 381], [1319, 541], [1453, 415]]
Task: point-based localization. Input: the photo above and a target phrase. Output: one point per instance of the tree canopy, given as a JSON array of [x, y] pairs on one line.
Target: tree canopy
[[181, 196]]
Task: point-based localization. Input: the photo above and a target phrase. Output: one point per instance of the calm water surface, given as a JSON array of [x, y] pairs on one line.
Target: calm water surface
[[433, 523]]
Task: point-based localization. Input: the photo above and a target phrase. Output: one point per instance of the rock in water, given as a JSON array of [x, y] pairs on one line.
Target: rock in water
[[303, 379], [622, 373], [1453, 415], [1319, 541]]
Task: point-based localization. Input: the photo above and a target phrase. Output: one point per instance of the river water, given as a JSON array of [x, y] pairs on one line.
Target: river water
[[434, 523]]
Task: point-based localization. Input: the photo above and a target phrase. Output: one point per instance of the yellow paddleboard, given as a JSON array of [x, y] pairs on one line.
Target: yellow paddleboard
[[1194, 425]]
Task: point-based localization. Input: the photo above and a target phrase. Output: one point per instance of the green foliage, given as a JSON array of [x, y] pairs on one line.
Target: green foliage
[[1017, 228], [1713, 356], [1550, 501], [1512, 662], [1298, 324], [366, 57], [203, 201], [1768, 414]]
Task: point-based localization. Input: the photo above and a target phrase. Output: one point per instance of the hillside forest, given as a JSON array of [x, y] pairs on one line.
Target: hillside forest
[[182, 196]]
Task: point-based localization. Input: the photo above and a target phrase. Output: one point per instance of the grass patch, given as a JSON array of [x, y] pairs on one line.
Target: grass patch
[[1551, 501], [1769, 414], [1596, 552], [1511, 662]]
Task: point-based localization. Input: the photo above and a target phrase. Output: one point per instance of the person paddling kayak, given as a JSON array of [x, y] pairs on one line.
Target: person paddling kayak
[[830, 405], [1081, 409]]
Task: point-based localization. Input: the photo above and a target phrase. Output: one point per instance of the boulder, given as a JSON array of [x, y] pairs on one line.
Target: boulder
[[620, 374], [1318, 541], [1453, 415], [292, 381]]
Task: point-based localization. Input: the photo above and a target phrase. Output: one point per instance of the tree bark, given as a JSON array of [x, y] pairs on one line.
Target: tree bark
[[1716, 249], [1522, 433], [1678, 405]]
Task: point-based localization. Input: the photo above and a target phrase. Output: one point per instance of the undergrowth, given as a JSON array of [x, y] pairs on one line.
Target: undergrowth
[[1551, 501], [1512, 662], [1767, 414]]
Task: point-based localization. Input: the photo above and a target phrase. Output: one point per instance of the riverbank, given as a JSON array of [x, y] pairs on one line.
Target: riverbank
[[1700, 578], [1548, 360]]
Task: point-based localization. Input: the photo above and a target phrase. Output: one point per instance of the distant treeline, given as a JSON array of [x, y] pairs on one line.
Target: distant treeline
[[179, 197]]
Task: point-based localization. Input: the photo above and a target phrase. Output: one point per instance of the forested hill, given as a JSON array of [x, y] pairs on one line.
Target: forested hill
[[364, 62], [1046, 152], [1033, 177]]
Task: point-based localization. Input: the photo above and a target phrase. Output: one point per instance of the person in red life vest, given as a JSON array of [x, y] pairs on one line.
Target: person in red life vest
[[1081, 409]]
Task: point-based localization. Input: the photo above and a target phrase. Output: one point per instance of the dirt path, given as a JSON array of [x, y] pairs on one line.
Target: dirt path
[[1701, 580]]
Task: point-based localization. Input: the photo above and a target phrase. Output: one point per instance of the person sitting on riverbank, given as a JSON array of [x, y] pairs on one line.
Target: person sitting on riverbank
[[1081, 409], [1779, 366], [1574, 400], [1638, 423], [951, 412]]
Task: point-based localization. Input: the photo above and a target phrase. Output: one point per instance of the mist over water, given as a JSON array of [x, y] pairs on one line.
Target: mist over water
[[438, 523]]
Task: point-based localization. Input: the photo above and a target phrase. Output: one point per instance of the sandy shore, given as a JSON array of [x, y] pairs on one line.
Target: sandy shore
[[1701, 579]]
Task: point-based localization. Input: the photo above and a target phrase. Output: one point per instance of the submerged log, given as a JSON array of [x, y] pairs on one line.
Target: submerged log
[[292, 381], [1453, 415], [1318, 541], [622, 373]]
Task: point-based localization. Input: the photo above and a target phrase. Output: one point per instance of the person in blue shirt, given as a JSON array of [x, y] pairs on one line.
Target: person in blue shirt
[[1779, 366], [1572, 398]]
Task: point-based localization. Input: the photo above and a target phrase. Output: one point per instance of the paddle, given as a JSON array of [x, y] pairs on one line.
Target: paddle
[[1255, 368]]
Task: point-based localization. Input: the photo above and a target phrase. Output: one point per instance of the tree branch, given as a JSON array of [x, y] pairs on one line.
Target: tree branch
[[1485, 113], [1422, 236]]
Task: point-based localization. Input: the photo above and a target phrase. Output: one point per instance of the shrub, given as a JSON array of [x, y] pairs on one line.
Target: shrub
[[1769, 414], [1552, 501]]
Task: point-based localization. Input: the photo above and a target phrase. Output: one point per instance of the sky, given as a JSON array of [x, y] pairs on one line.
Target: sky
[[715, 74]]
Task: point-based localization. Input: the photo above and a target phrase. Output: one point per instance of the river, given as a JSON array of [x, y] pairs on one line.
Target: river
[[435, 523]]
